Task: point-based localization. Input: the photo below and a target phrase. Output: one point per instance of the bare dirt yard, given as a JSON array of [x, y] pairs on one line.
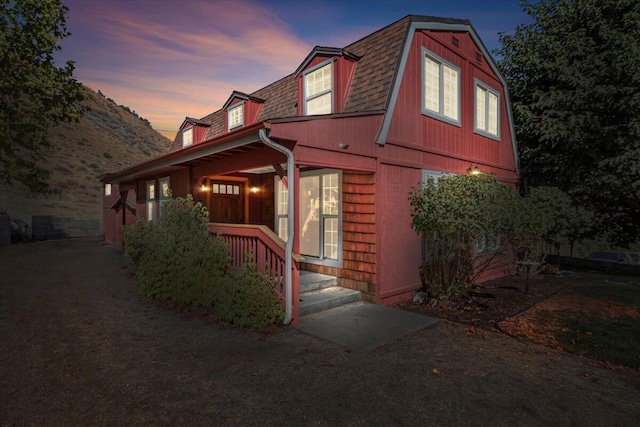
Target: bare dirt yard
[[78, 347]]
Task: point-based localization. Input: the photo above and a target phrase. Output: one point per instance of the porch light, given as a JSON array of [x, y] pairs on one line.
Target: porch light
[[204, 185], [254, 190], [475, 171]]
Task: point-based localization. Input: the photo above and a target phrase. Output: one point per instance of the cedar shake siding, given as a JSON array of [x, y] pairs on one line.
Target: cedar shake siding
[[358, 236]]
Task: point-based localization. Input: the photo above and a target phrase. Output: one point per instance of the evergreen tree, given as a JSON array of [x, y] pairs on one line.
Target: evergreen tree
[[574, 80]]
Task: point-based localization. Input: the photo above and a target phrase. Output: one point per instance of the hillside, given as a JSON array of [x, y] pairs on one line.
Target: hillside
[[108, 138]]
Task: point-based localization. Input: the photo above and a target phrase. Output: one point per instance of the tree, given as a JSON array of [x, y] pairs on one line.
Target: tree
[[461, 220], [35, 94], [574, 80]]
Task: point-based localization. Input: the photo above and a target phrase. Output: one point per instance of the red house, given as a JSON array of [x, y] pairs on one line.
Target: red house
[[324, 158]]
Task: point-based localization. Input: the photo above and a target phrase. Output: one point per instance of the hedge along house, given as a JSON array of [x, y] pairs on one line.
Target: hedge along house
[[312, 172]]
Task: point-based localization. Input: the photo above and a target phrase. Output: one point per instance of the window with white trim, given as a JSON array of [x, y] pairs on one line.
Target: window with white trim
[[487, 118], [187, 137], [235, 116], [165, 193], [151, 200], [440, 88], [318, 87], [107, 189]]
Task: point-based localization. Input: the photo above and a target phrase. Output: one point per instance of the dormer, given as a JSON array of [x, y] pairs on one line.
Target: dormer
[[192, 131], [324, 80], [240, 110]]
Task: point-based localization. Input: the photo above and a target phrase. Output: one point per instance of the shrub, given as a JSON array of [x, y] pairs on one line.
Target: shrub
[[457, 217], [247, 299], [178, 260]]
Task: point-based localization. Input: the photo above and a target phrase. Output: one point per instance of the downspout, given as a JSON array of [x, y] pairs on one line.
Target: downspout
[[290, 211]]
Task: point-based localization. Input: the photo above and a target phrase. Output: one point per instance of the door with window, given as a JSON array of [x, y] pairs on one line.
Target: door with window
[[227, 202], [319, 213]]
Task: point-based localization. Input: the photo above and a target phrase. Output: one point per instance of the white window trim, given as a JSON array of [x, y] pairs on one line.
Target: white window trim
[[306, 99], [151, 201], [184, 131], [162, 198], [439, 115], [478, 83], [235, 107]]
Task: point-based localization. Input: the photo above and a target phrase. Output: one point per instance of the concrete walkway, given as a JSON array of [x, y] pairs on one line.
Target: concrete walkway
[[363, 326]]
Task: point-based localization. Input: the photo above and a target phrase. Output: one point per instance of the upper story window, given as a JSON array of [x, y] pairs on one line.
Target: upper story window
[[187, 137], [487, 119], [235, 116], [440, 89], [318, 88]]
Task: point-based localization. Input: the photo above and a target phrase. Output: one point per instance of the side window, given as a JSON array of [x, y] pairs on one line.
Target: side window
[[440, 88], [165, 193], [487, 117], [318, 87], [107, 189], [151, 200]]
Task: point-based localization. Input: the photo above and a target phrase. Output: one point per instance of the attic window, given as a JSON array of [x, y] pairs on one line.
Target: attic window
[[440, 88], [487, 118], [235, 116], [187, 137], [318, 88], [455, 41], [478, 57]]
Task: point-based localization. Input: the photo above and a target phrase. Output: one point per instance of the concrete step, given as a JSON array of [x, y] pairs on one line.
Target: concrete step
[[326, 298], [310, 281]]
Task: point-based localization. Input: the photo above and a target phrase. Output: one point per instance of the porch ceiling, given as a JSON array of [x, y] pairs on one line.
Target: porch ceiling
[[223, 154]]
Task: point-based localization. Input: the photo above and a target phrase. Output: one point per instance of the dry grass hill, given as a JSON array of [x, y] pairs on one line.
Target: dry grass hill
[[108, 138]]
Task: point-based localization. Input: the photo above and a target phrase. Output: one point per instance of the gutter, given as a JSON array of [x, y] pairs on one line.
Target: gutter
[[290, 212]]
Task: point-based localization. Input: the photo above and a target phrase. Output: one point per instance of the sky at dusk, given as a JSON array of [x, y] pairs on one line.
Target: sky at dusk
[[168, 59]]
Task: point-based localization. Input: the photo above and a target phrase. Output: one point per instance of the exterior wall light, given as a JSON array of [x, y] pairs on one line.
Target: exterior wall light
[[204, 185], [474, 171], [254, 190]]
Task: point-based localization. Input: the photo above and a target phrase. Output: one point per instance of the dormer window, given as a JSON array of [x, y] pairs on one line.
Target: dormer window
[[318, 86], [187, 137], [235, 116]]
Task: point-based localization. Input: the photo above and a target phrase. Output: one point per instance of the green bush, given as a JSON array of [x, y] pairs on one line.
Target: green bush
[[460, 219], [177, 260], [247, 299]]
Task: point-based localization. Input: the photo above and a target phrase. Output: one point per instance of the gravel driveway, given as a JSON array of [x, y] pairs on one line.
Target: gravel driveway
[[78, 347]]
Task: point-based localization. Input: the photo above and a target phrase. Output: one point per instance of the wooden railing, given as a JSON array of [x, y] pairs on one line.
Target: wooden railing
[[267, 251]]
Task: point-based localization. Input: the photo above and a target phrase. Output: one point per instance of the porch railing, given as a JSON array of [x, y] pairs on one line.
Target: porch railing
[[267, 251]]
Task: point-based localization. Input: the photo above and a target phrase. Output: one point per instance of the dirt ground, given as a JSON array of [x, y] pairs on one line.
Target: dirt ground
[[78, 347]]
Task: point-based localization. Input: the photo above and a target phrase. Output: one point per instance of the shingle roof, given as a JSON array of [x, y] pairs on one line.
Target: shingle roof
[[379, 55]]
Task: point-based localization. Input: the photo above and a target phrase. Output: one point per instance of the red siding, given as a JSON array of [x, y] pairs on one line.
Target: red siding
[[409, 128]]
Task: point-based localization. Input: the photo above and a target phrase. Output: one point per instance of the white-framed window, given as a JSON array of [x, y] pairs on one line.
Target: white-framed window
[[158, 192], [235, 116], [486, 244], [318, 89], [151, 200], [440, 88], [433, 175], [281, 209], [165, 193], [107, 189], [487, 117], [187, 137]]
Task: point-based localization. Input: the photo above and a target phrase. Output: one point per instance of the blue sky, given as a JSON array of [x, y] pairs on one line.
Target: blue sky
[[169, 59]]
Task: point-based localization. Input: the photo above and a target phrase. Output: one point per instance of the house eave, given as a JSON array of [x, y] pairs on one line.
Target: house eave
[[175, 159]]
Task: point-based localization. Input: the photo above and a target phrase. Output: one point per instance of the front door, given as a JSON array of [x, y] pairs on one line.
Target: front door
[[227, 202]]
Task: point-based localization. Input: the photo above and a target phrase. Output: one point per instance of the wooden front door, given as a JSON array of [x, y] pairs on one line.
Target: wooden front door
[[227, 202]]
